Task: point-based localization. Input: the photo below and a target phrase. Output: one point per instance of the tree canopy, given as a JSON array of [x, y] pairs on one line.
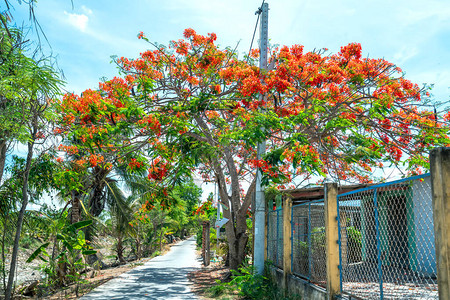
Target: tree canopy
[[191, 106]]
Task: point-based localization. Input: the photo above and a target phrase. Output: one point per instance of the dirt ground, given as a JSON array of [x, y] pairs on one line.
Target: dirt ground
[[96, 278], [201, 279], [207, 277]]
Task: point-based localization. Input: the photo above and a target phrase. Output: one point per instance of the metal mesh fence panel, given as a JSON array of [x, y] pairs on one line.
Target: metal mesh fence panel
[[275, 237], [301, 240], [386, 238], [308, 241]]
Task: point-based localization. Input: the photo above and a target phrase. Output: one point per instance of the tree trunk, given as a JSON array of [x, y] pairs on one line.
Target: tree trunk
[[237, 241], [76, 212], [15, 252], [3, 253], [138, 248], [236, 227], [3, 148], [120, 250]]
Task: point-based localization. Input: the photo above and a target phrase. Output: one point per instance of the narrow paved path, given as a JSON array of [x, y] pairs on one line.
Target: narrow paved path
[[163, 277]]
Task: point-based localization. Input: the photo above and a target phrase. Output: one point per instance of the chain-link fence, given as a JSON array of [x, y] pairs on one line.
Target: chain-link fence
[[308, 241], [386, 240], [275, 237]]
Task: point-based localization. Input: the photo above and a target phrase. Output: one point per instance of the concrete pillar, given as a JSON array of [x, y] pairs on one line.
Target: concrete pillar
[[440, 188], [260, 202], [331, 231], [287, 243]]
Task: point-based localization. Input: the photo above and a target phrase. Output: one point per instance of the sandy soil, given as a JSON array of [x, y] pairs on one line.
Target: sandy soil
[[207, 277]]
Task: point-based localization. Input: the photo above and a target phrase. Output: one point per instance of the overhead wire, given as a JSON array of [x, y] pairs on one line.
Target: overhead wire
[[258, 12]]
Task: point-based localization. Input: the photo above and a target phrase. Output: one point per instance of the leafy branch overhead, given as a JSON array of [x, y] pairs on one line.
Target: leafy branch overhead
[[194, 107]]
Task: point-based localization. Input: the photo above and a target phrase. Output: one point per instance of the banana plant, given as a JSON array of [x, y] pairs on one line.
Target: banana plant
[[70, 252]]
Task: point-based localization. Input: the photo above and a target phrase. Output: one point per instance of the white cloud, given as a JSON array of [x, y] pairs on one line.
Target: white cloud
[[405, 54], [86, 10], [79, 21]]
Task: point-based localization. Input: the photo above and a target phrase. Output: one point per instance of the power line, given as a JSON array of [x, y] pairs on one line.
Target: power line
[[258, 12]]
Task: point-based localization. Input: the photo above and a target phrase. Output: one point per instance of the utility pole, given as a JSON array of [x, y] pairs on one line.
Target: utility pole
[[260, 203]]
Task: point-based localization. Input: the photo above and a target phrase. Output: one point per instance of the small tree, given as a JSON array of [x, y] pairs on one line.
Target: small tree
[[32, 86]]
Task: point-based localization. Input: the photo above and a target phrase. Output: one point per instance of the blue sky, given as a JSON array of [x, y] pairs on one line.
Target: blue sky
[[413, 34]]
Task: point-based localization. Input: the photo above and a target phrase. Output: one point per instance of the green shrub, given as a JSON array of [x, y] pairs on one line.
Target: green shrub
[[248, 285]]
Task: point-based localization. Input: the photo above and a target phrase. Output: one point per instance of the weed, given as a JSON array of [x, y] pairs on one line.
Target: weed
[[248, 285]]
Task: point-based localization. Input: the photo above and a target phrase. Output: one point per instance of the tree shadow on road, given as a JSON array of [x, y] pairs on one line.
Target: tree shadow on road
[[147, 282]]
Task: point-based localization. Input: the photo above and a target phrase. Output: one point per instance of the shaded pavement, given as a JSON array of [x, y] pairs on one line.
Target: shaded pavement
[[163, 277]]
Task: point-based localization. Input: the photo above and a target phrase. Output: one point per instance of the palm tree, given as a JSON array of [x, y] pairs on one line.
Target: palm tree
[[121, 216]]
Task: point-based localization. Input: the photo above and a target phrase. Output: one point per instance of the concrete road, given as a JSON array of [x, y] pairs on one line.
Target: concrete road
[[163, 277]]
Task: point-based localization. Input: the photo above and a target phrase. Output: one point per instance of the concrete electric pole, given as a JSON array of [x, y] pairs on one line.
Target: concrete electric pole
[[260, 204]]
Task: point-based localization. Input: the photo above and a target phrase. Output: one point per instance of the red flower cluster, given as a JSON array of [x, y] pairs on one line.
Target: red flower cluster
[[95, 159], [134, 163], [158, 170]]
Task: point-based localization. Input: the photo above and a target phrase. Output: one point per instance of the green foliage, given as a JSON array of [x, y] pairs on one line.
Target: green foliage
[[271, 193], [37, 253], [311, 255], [70, 250], [248, 285], [41, 179], [318, 240], [25, 85], [354, 235], [199, 236], [190, 193]]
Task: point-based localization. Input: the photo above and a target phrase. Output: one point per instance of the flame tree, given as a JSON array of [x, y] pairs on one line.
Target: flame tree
[[192, 106]]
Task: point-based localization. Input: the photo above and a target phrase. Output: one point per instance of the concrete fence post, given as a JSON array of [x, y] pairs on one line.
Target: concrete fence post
[[287, 213], [332, 248], [440, 188]]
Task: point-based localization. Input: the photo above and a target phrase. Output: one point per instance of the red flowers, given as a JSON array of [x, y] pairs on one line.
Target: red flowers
[[350, 51], [135, 164], [158, 170], [189, 32], [94, 160]]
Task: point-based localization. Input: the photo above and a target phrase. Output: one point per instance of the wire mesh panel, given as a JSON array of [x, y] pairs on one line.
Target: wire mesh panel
[[308, 241], [275, 237], [386, 239], [300, 240], [318, 243]]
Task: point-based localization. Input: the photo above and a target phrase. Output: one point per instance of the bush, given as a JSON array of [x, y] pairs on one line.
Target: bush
[[249, 286]]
